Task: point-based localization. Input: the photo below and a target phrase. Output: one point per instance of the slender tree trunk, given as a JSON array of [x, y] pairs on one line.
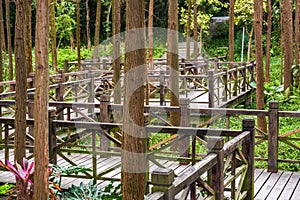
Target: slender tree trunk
[[28, 38], [88, 31], [133, 147], [116, 27], [268, 48], [288, 42], [258, 9], [53, 35], [78, 33], [41, 98], [107, 21], [297, 40], [188, 32], [97, 29], [20, 59], [195, 32], [2, 28], [231, 31], [1, 49], [150, 34], [8, 33]]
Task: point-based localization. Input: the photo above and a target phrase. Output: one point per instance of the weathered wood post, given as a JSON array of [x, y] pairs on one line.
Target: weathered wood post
[[244, 73], [52, 137], [105, 61], [59, 95], [162, 87], [104, 117], [273, 136], [225, 82], [184, 142], [211, 89], [30, 116], [66, 65], [236, 81], [216, 64], [162, 180], [32, 77], [248, 151], [91, 90], [215, 145]]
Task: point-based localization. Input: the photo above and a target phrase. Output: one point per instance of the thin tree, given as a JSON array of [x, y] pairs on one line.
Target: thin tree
[[2, 28], [150, 34], [188, 32], [1, 47], [258, 20], [41, 98], [53, 35], [9, 49], [28, 38], [78, 33], [268, 45], [20, 59], [97, 29], [133, 148], [297, 40], [231, 30], [195, 31], [88, 31], [288, 42]]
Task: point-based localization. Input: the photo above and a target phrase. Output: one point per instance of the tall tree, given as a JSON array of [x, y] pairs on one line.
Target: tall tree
[[20, 59], [53, 35], [28, 38], [88, 31], [268, 45], [41, 98], [188, 32], [2, 27], [9, 49], [133, 148], [258, 20], [150, 34], [1, 46], [297, 39], [231, 30], [97, 29], [195, 31], [78, 33]]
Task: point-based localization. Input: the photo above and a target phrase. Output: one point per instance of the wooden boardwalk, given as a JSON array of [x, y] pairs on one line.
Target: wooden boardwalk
[[271, 186]]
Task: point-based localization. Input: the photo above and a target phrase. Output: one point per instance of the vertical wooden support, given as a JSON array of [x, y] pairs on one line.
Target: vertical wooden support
[[30, 116], [92, 91], [32, 77], [215, 145], [248, 151], [104, 117], [273, 136], [216, 64], [252, 79], [225, 82], [59, 95], [211, 89], [162, 87], [66, 65], [236, 81], [184, 142], [6, 139], [94, 158], [206, 65], [104, 66], [52, 137], [244, 73], [62, 75], [162, 180]]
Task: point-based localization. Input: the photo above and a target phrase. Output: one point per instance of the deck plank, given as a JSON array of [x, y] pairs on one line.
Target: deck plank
[[296, 194], [290, 187], [279, 186], [261, 181], [268, 186]]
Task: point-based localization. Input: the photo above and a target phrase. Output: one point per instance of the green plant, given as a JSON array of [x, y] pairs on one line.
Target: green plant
[[5, 188]]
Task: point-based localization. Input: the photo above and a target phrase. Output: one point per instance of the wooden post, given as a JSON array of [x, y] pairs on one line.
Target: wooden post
[[184, 142], [225, 82], [211, 89], [248, 151], [216, 64], [92, 91], [244, 73], [236, 81], [32, 76], [273, 137], [104, 66], [66, 65], [30, 116], [52, 137], [215, 145], [162, 180], [162, 87], [59, 96], [104, 117]]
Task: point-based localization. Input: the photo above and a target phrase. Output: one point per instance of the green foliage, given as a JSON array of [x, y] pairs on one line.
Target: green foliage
[[4, 189], [94, 192]]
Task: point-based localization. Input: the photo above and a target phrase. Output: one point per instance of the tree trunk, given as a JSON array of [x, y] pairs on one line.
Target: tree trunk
[[2, 28], [97, 29], [88, 31], [41, 98], [107, 22], [20, 59], [231, 31], [1, 49], [297, 40], [150, 34], [133, 147], [288, 42], [78, 34], [116, 26], [195, 32], [53, 35], [258, 9], [268, 48], [8, 33], [28, 38], [188, 33]]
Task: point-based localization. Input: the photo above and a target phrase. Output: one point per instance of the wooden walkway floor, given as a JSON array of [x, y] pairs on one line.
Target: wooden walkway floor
[[271, 186]]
